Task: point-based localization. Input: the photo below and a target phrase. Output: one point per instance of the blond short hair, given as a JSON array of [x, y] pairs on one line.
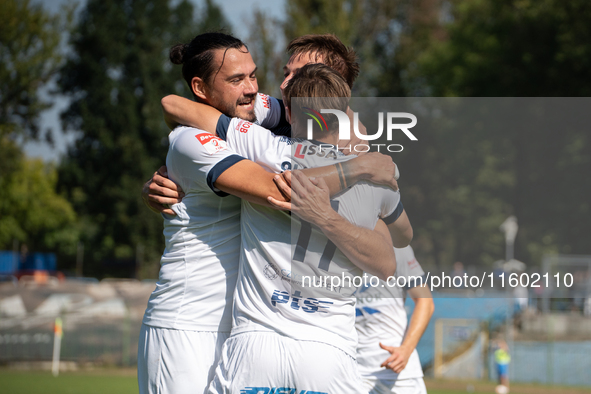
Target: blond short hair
[[318, 87]]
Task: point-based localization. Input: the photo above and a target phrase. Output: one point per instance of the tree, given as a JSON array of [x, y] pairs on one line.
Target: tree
[[268, 57], [117, 74], [387, 35], [31, 212], [511, 48], [29, 58]]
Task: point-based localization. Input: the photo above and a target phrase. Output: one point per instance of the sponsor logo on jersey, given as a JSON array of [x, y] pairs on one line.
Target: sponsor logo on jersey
[[368, 310], [297, 302], [211, 143], [324, 150], [243, 126], [265, 99], [277, 390]]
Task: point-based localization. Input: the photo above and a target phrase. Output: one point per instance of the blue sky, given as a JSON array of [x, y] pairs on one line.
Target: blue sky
[[238, 13]]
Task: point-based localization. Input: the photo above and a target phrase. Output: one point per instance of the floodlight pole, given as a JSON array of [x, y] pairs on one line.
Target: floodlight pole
[[509, 227]]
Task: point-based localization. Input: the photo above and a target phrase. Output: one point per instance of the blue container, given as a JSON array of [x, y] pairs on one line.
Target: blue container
[[50, 261], [8, 262], [40, 261]]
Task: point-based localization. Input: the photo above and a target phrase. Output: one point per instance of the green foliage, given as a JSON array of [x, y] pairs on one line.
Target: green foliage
[[512, 48], [459, 185], [519, 48], [262, 44], [117, 74], [29, 57], [387, 35], [31, 211]]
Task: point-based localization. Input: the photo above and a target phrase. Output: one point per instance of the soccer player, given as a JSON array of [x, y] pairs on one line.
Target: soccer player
[[159, 191], [297, 340], [386, 340], [189, 314]]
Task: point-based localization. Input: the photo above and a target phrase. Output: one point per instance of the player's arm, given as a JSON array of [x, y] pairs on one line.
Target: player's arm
[[159, 192], [399, 227], [370, 250], [424, 307], [181, 111], [250, 182], [374, 167]]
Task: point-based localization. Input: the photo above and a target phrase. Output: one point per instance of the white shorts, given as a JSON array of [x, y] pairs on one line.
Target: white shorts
[[398, 386], [177, 361], [265, 363]]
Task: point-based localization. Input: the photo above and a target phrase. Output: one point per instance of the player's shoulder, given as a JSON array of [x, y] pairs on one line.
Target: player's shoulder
[[191, 141], [182, 132]]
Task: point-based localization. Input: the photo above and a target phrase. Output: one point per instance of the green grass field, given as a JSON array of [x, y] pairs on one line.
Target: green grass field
[[123, 381], [94, 382]]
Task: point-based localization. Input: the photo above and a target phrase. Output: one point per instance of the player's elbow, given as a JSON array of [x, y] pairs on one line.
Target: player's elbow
[[168, 107], [387, 270], [403, 239], [167, 103]]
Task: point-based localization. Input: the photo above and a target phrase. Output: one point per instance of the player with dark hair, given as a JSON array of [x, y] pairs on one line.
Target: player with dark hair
[[302, 341], [159, 192], [200, 68], [189, 314]]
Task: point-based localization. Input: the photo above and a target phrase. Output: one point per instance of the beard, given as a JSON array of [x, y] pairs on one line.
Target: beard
[[235, 109]]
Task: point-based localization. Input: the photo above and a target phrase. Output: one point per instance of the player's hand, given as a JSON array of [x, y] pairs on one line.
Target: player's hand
[[160, 192], [348, 146], [378, 168], [398, 357], [283, 182], [310, 198]]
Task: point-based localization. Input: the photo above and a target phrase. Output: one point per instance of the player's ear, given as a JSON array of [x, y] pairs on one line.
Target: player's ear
[[288, 114], [198, 87]]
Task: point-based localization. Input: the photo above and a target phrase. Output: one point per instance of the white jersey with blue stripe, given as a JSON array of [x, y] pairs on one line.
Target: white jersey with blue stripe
[[278, 250], [381, 317], [199, 266]]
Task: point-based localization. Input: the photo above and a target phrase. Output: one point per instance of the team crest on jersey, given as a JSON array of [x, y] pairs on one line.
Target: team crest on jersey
[[211, 143], [243, 126], [270, 272]]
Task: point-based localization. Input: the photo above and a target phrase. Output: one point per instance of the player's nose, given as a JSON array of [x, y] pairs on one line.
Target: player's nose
[[251, 87]]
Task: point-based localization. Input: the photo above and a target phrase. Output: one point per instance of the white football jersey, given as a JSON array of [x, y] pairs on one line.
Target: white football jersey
[[271, 293], [268, 111], [381, 317], [199, 266]]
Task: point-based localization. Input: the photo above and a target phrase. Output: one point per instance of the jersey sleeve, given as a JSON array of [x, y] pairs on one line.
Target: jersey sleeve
[[390, 205], [268, 110], [255, 143], [408, 266], [196, 159]]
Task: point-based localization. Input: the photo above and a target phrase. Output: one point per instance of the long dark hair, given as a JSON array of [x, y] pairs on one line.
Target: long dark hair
[[197, 56]]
